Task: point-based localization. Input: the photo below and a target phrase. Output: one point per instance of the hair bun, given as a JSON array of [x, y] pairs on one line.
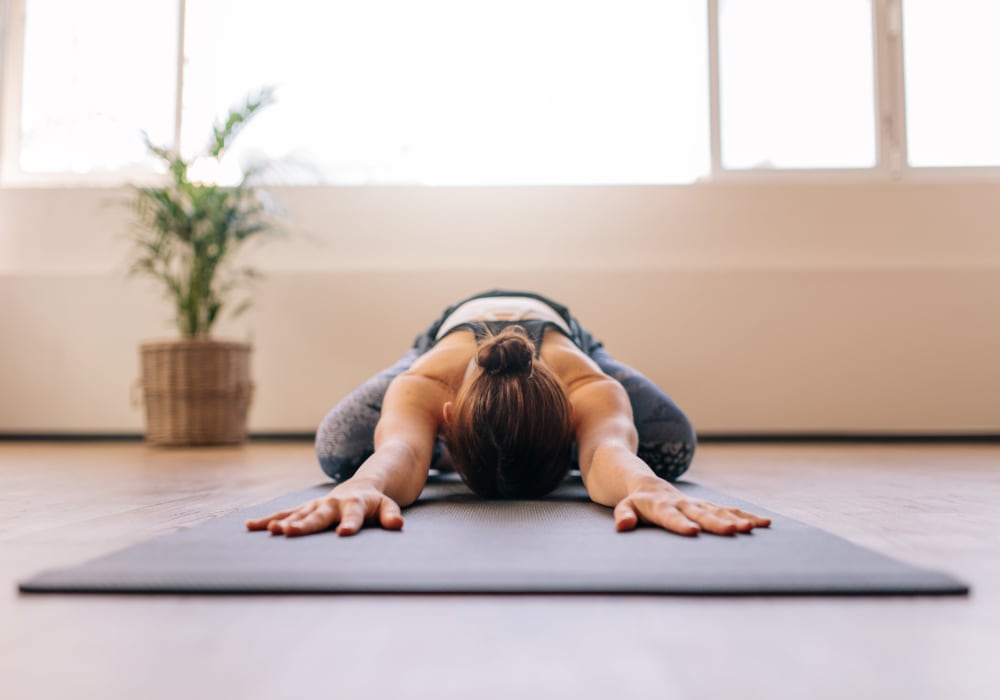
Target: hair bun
[[508, 352]]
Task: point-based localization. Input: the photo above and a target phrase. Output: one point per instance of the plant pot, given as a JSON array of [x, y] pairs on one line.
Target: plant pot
[[196, 392]]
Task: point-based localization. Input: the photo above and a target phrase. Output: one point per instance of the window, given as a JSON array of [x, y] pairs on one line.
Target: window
[[95, 74], [796, 84], [521, 92], [460, 92], [952, 89]]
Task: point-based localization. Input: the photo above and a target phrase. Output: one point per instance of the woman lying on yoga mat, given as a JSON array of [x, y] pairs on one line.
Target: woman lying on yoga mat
[[508, 390]]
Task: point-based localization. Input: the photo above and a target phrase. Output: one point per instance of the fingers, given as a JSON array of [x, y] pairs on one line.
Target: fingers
[[625, 516], [684, 516], [348, 514], [757, 520], [281, 526], [262, 523], [389, 515], [655, 511], [321, 517], [352, 516], [713, 519], [721, 520], [267, 523], [670, 518]]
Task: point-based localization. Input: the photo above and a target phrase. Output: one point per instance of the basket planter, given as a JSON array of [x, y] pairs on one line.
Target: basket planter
[[196, 392]]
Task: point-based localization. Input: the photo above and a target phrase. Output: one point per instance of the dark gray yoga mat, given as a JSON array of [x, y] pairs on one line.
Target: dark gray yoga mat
[[455, 543]]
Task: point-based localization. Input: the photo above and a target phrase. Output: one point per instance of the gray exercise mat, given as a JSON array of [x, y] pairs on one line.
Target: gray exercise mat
[[453, 542]]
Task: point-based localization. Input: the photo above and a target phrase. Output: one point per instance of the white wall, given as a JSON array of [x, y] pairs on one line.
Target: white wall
[[759, 307]]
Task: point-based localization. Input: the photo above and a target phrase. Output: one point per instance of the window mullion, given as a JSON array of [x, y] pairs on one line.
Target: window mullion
[[179, 107], [11, 62], [889, 90], [714, 107]]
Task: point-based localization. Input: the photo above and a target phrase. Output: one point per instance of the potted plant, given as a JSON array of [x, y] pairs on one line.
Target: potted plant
[[190, 230]]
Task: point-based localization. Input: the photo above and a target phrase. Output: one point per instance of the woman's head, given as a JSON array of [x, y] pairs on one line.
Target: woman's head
[[510, 431]]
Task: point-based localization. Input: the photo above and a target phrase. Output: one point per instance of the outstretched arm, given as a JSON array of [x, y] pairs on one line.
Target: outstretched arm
[[393, 476], [615, 476]]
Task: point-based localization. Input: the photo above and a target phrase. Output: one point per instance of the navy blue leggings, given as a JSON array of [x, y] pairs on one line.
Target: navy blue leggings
[[346, 436]]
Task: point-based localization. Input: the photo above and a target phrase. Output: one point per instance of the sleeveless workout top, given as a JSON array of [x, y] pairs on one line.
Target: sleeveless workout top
[[486, 316], [535, 327]]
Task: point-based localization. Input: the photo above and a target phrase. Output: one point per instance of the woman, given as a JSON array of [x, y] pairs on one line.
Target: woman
[[509, 390]]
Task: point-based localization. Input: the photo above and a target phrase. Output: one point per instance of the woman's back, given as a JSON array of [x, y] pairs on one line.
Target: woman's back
[[514, 414], [453, 357]]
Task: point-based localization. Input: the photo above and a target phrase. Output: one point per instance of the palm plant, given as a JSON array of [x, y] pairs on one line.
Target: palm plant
[[189, 232]]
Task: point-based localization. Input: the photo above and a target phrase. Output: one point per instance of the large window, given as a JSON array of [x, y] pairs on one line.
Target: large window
[[516, 92], [96, 74], [952, 87], [796, 84], [461, 92]]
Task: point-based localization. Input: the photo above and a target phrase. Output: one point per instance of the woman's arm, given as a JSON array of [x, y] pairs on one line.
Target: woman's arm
[[392, 476], [615, 476]]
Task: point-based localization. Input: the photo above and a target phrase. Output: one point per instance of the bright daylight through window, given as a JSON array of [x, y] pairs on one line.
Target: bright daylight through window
[[796, 84], [952, 90], [462, 91], [95, 75], [467, 92]]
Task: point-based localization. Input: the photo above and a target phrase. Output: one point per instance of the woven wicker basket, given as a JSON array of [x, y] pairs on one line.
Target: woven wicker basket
[[196, 392]]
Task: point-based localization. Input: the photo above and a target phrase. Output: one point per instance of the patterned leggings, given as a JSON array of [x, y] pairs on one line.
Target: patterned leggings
[[345, 438]]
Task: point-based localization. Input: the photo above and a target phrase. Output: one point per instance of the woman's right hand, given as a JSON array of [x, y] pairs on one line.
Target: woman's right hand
[[347, 507]]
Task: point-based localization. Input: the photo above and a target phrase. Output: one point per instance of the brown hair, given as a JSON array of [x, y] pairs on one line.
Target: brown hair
[[511, 431]]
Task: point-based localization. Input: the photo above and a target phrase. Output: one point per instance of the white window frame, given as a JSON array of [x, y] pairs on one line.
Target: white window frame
[[890, 141], [889, 118], [893, 27], [11, 54], [11, 80]]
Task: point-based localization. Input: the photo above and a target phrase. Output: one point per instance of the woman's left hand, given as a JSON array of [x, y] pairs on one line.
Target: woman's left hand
[[661, 504]]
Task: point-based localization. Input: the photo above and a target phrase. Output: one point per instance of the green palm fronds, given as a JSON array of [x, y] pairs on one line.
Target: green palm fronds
[[224, 134], [189, 234]]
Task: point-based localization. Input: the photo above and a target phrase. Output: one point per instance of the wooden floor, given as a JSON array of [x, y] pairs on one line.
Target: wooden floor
[[934, 505]]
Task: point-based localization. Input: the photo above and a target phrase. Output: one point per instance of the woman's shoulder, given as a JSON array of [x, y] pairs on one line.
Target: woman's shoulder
[[447, 361], [567, 361]]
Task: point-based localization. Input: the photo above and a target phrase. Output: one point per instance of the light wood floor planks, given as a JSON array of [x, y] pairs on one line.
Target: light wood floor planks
[[935, 505]]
